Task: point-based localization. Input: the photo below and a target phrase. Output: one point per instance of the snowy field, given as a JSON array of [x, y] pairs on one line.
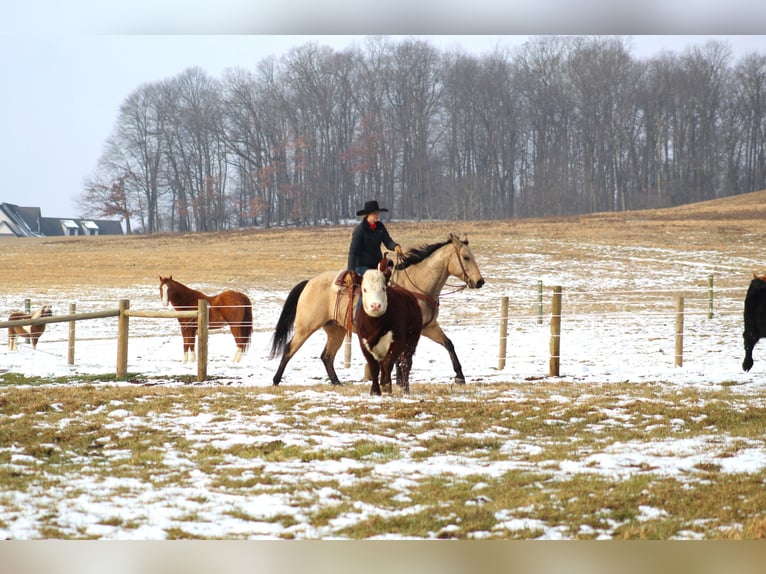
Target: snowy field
[[618, 326]]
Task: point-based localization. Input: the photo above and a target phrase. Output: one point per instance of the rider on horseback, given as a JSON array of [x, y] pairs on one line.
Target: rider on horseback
[[364, 251]]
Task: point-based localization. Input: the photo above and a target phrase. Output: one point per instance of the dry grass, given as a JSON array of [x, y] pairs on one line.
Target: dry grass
[[521, 502], [278, 258]]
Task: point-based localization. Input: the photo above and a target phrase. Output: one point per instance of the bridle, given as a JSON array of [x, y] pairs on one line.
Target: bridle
[[456, 288]]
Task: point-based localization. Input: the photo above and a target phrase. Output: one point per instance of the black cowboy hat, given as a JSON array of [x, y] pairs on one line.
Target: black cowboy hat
[[370, 207]]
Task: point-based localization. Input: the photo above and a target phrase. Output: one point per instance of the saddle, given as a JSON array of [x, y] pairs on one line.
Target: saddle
[[348, 282]]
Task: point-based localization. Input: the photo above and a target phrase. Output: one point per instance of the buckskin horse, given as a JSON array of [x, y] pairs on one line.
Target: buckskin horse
[[31, 332], [388, 325], [229, 307], [320, 303], [755, 317]]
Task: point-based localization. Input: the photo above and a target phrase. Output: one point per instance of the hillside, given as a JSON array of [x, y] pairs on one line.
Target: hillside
[[280, 257]]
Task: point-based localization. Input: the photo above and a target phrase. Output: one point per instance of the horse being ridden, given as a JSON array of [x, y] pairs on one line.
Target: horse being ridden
[[320, 303], [31, 332], [229, 307], [388, 326]]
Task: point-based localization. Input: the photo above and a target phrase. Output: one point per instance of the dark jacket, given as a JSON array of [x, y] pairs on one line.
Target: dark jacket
[[364, 250]]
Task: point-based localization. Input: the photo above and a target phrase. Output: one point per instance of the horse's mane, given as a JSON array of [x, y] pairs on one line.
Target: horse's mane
[[419, 254], [44, 311]]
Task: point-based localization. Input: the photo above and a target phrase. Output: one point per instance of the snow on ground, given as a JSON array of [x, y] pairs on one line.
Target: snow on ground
[[631, 339]]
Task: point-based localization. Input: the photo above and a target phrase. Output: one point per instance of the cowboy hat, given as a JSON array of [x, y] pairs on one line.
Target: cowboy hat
[[370, 207]]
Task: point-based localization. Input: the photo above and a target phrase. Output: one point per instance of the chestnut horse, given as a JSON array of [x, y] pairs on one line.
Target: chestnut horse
[[320, 303], [31, 332], [227, 308]]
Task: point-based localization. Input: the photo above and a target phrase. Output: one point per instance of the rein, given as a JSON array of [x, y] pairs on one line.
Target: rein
[[456, 288]]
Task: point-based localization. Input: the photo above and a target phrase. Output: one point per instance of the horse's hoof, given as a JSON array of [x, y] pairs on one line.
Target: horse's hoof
[[459, 381], [336, 383]]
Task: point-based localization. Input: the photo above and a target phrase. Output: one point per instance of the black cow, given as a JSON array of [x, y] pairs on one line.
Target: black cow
[[755, 317]]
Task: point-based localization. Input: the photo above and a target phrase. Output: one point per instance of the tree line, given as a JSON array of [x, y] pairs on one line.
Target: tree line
[[557, 126]]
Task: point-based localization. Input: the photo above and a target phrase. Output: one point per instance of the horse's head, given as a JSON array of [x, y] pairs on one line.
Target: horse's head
[[386, 266], [164, 287], [44, 311], [374, 297], [463, 264]]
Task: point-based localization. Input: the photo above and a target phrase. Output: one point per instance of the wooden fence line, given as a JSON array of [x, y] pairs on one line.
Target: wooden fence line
[[123, 313], [555, 328]]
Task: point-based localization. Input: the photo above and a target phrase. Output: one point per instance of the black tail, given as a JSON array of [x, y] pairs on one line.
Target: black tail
[[286, 320]]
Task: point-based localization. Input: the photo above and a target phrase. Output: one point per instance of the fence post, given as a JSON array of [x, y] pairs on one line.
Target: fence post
[[123, 324], [679, 362], [203, 329], [555, 362], [70, 353], [710, 296], [28, 306], [503, 332], [539, 301], [347, 350]]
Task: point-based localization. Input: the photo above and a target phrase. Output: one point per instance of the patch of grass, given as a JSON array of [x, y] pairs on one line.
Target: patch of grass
[[50, 435], [372, 450]]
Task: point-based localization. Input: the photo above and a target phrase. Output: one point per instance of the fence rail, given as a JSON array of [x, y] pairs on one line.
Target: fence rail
[[124, 313], [675, 302], [569, 309]]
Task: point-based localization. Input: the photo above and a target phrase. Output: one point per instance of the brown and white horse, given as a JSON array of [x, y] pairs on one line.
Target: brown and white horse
[[320, 303], [31, 332], [229, 307]]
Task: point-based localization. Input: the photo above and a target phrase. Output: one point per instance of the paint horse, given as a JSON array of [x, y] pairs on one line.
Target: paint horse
[[31, 332], [229, 307], [388, 325], [755, 317], [317, 303]]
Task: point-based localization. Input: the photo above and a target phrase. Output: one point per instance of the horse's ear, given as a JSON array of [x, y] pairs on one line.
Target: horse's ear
[[464, 238]]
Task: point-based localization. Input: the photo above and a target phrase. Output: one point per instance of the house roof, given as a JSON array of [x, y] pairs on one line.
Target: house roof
[[19, 221], [28, 222]]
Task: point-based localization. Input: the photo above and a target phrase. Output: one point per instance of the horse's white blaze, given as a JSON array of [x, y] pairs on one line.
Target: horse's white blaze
[[374, 298], [165, 294], [379, 351]]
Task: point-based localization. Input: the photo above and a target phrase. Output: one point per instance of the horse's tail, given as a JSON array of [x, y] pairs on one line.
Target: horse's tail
[[247, 320], [286, 320]]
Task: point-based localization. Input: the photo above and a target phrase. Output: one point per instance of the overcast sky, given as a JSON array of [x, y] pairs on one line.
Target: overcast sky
[[63, 79]]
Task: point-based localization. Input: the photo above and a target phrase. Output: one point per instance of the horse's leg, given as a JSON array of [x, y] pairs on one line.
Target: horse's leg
[[189, 333], [434, 332], [299, 337], [335, 336], [240, 330], [11, 340]]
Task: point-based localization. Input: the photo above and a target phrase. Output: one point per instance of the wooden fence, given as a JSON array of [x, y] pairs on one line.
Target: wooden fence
[[124, 313], [555, 325]]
